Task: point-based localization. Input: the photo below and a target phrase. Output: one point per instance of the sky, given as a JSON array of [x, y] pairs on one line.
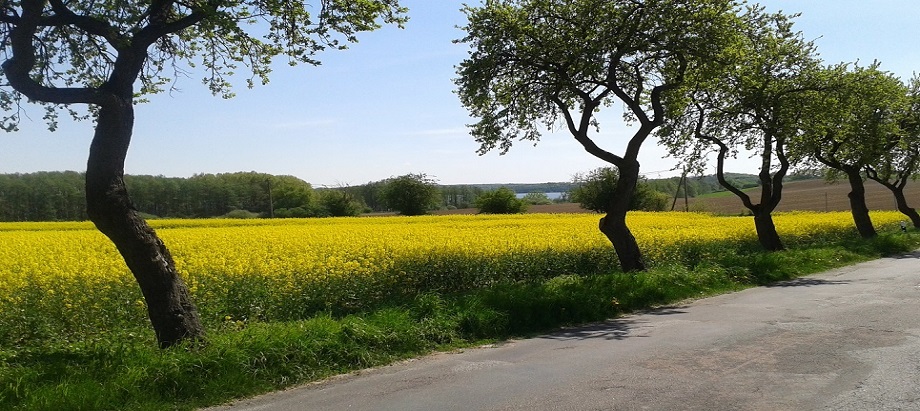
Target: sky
[[386, 107]]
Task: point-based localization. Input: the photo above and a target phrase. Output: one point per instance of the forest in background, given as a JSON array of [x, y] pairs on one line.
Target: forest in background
[[61, 196]]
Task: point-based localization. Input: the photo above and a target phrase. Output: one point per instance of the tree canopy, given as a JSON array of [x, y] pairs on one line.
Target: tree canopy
[[537, 63], [108, 54], [853, 122], [500, 201], [411, 194], [63, 52], [755, 104]]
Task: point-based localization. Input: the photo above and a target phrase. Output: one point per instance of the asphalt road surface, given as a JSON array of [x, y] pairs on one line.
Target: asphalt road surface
[[847, 339]]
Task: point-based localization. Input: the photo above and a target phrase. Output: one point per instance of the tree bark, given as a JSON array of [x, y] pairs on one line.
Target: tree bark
[[613, 225], [905, 209], [897, 189], [169, 306], [858, 207], [770, 191], [766, 231]]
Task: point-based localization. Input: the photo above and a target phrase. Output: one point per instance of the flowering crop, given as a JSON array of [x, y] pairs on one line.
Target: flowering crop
[[60, 279]]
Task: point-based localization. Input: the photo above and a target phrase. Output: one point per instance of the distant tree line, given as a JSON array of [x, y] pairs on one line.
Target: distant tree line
[[56, 196], [60, 195]]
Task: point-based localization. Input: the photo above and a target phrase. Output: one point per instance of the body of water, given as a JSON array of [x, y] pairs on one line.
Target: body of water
[[551, 195]]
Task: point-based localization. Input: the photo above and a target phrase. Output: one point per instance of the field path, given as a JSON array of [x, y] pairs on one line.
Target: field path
[[847, 339]]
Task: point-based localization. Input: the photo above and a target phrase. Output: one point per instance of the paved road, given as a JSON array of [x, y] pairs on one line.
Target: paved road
[[848, 339]]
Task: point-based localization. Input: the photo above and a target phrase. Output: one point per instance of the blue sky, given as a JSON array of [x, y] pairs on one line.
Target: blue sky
[[386, 107]]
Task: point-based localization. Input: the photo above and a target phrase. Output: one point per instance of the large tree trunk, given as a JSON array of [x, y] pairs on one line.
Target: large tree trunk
[[766, 231], [897, 189], [613, 225], [172, 314], [771, 189], [905, 209], [858, 206]]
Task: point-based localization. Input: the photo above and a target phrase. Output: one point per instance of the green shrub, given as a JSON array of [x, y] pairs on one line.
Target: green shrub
[[501, 201], [242, 214]]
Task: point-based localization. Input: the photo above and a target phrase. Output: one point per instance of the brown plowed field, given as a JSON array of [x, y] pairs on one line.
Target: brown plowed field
[[808, 195]]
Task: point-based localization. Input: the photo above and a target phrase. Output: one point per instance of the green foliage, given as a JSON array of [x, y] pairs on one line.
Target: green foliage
[[56, 196], [595, 189], [218, 37], [854, 121], [295, 212], [501, 201], [339, 203], [411, 194], [537, 198], [369, 194], [532, 61], [240, 214], [461, 196], [43, 196], [648, 199]]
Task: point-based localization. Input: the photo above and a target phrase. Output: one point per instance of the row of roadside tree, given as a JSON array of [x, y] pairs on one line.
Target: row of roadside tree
[[707, 77], [704, 75]]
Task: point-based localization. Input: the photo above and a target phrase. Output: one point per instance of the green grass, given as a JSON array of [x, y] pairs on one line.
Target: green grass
[[125, 371]]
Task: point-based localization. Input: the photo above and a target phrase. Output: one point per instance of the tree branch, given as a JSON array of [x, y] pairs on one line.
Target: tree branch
[[63, 16], [17, 69], [581, 133], [720, 165]]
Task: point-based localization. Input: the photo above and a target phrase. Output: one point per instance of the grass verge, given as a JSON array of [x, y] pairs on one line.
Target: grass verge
[[126, 372]]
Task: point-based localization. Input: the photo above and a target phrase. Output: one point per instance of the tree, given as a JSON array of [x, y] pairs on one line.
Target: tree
[[368, 194], [757, 104], [460, 196], [106, 53], [411, 194], [853, 123], [534, 63], [895, 167], [501, 201], [594, 189], [289, 192], [339, 203], [536, 198]]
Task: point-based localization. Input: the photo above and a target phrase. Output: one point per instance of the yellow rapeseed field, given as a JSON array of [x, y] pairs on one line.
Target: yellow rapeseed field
[[69, 277]]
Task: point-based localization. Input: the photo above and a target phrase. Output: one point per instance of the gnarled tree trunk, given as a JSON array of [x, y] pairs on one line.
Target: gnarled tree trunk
[[858, 207], [897, 189], [771, 189], [766, 231], [613, 225], [172, 314], [905, 209]]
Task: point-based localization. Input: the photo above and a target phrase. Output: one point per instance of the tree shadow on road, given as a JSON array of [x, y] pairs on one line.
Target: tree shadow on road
[[806, 282], [614, 329], [905, 256]]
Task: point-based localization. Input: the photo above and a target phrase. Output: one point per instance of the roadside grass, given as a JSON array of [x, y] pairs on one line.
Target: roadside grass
[[124, 371]]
